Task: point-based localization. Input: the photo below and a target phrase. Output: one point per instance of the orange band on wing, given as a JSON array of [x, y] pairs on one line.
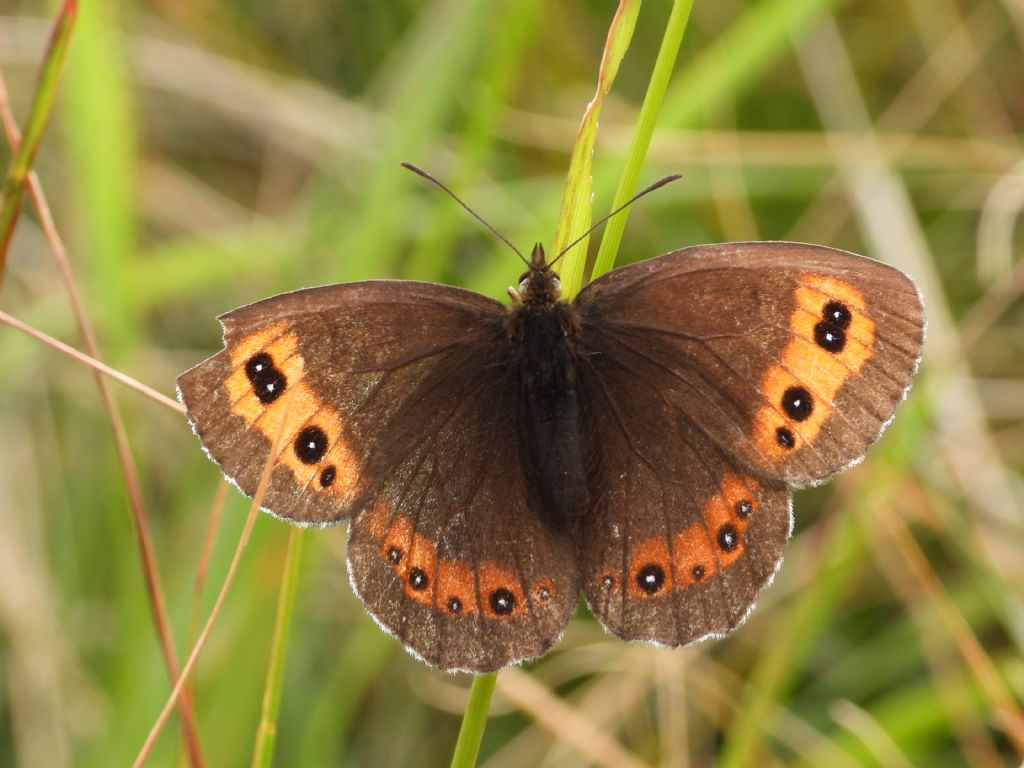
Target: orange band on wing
[[832, 339], [267, 381], [449, 585], [699, 551]]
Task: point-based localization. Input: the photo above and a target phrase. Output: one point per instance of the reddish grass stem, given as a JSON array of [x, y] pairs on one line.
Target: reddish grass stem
[[133, 486]]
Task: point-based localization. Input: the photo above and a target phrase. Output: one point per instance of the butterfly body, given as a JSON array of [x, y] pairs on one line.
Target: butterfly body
[[636, 444], [544, 351]]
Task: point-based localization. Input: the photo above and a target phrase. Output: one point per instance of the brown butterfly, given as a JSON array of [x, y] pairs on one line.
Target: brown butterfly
[[637, 443]]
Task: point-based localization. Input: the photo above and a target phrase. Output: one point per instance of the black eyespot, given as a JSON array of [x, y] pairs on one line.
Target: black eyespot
[[837, 313], [418, 579], [698, 572], [268, 383], [311, 445], [543, 594], [743, 508], [503, 602], [728, 538], [608, 582], [829, 336], [394, 555], [784, 437], [327, 477], [454, 605], [650, 578], [797, 403]]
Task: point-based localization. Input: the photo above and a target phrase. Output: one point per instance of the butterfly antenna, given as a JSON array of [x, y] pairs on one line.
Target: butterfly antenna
[[434, 180], [656, 185]]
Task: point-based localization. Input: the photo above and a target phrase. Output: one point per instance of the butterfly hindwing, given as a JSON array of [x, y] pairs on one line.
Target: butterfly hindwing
[[393, 408], [791, 357], [679, 540]]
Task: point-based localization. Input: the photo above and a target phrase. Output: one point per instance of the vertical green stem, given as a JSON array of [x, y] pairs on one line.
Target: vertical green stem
[[656, 89], [473, 721], [577, 206], [38, 119], [266, 734]]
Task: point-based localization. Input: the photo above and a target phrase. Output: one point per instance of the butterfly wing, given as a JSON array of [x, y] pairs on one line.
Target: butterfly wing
[[713, 378], [678, 540], [395, 408], [792, 357]]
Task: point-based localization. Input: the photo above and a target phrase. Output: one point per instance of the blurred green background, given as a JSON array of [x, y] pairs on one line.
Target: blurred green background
[[208, 153]]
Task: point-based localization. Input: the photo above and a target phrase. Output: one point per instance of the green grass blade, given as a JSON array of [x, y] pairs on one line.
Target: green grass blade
[[649, 111], [38, 119], [737, 59], [473, 721], [447, 47], [577, 200], [266, 734], [500, 74], [99, 128]]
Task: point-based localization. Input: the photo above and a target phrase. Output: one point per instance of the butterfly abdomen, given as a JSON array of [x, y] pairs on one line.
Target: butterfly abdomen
[[545, 349]]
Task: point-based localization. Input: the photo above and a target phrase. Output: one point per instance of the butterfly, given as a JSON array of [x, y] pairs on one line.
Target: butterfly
[[637, 444]]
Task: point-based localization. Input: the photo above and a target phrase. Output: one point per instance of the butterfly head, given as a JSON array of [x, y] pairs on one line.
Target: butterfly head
[[539, 284]]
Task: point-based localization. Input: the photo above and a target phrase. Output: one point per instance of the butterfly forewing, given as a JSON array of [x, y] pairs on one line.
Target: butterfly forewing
[[394, 405], [790, 357]]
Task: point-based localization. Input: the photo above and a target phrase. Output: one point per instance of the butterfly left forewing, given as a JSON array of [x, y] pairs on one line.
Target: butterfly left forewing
[[319, 370]]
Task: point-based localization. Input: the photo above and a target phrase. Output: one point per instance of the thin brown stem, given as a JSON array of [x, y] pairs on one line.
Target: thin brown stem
[[133, 486], [179, 690]]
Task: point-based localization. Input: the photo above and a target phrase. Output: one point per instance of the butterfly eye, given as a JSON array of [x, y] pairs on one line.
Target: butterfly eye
[[556, 282]]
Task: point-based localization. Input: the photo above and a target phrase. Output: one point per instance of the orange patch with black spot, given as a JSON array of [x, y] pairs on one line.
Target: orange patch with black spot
[[800, 390], [337, 471], [650, 570], [543, 591], [501, 594], [693, 556], [396, 545], [456, 587], [255, 342], [420, 570], [725, 522]]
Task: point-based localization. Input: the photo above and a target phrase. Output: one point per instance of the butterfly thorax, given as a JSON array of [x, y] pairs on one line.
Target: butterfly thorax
[[539, 285], [543, 333]]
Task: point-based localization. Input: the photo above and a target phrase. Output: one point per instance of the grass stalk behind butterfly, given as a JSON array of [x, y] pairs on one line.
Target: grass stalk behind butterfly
[[19, 176], [38, 119]]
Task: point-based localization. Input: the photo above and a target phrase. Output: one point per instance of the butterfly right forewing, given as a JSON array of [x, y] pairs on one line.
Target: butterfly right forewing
[[740, 338]]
